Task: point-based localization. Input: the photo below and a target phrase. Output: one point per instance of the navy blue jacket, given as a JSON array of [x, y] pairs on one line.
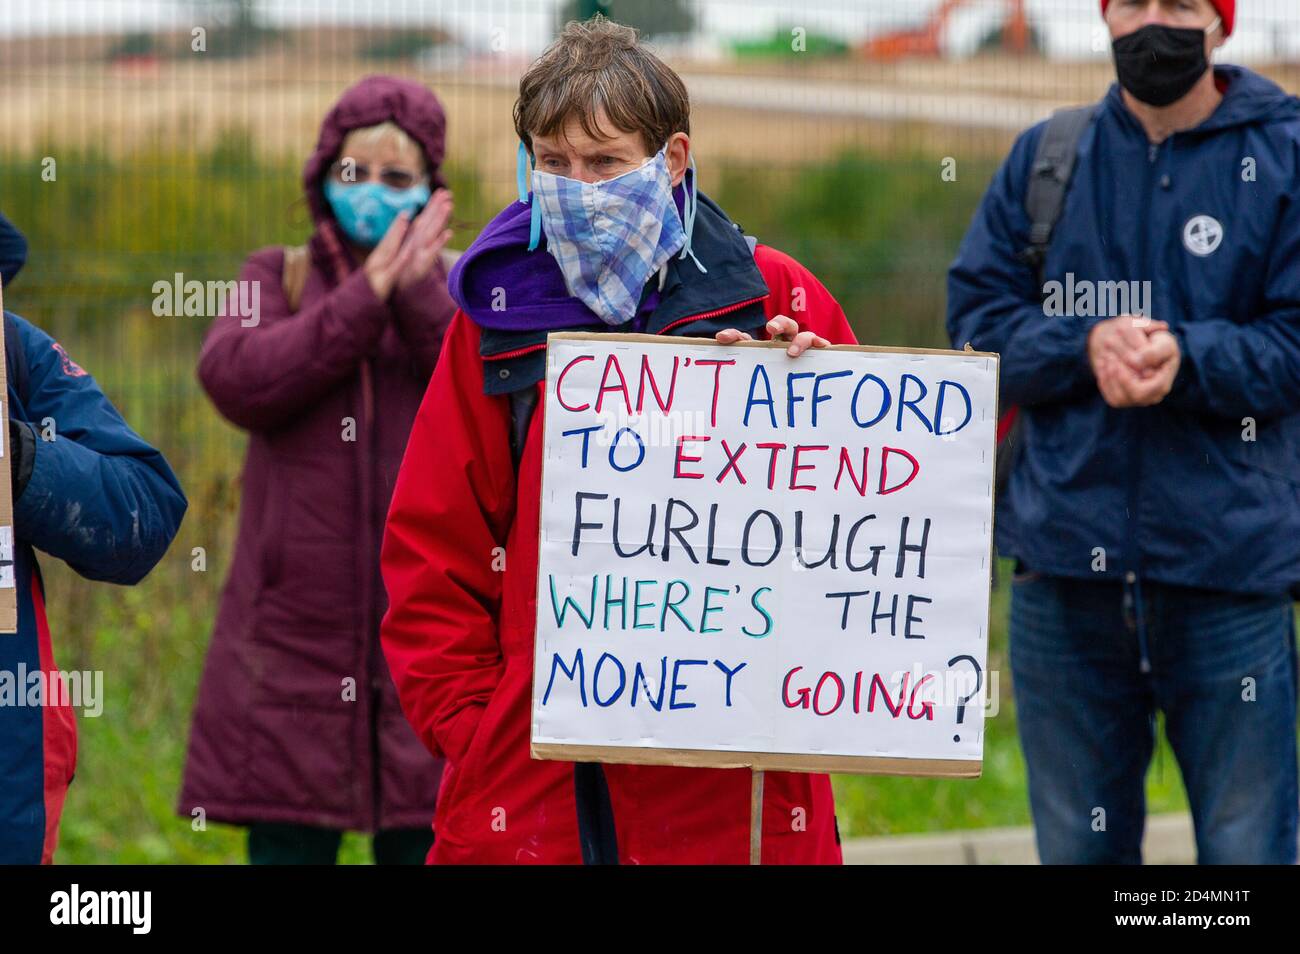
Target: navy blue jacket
[[103, 501], [1173, 492], [13, 251]]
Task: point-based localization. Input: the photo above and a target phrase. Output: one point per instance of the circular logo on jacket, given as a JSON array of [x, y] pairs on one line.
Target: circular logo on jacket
[[1202, 235]]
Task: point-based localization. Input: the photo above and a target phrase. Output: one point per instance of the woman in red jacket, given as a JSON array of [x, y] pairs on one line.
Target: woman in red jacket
[[460, 550], [297, 732]]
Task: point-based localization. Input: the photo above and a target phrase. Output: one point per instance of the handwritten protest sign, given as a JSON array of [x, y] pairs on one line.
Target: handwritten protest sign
[[8, 591], [753, 560]]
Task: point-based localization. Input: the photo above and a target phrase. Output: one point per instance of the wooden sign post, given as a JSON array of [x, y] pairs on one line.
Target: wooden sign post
[[749, 560], [8, 587]]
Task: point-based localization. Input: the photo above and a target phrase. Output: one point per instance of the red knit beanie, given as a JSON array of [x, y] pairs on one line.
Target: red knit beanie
[[1227, 9]]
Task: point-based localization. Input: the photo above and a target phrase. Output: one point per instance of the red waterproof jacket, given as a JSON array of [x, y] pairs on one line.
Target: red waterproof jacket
[[458, 636]]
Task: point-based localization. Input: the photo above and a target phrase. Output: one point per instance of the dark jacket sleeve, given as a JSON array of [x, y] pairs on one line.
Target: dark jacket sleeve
[[422, 313], [13, 251], [995, 304], [262, 370], [1250, 369], [98, 497]]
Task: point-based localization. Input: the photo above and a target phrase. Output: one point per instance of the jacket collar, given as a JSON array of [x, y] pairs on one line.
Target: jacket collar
[[1248, 99]]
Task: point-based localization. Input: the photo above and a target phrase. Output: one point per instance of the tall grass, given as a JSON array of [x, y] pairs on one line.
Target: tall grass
[[880, 234]]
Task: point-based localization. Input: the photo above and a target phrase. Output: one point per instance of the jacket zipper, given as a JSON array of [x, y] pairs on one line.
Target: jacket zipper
[[503, 355], [712, 314], [1137, 434], [1139, 415], [1134, 423], [368, 609]]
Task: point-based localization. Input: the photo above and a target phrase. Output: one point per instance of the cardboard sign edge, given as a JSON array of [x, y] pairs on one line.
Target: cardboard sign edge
[[696, 342], [765, 761], [8, 595]]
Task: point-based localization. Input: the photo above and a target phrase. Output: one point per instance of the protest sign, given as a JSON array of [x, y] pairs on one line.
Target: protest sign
[[748, 559], [8, 588]]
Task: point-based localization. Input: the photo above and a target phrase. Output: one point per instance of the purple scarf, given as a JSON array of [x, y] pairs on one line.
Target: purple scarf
[[526, 288]]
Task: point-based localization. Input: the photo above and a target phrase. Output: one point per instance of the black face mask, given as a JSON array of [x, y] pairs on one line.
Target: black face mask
[[1160, 64]]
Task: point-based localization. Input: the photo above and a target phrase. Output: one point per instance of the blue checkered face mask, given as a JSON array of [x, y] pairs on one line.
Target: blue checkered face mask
[[609, 237]]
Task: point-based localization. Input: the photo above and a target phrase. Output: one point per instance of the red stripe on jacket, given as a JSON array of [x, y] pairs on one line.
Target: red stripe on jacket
[[58, 730]]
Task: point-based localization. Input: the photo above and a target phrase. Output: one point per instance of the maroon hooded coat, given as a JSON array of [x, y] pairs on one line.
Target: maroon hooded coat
[[297, 719]]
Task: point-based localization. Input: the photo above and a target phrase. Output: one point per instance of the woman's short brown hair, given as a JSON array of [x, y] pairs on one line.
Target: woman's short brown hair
[[599, 64]]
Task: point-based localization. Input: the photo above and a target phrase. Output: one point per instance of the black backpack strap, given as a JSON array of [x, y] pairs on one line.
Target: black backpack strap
[[1049, 184], [522, 405], [1049, 180], [597, 836]]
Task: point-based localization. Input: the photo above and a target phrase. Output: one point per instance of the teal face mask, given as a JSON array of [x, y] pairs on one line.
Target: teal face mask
[[365, 210]]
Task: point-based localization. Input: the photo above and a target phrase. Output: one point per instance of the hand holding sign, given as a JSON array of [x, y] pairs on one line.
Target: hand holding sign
[[781, 328]]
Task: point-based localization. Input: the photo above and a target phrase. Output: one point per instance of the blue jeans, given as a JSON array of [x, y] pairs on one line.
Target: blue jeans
[[1092, 661]]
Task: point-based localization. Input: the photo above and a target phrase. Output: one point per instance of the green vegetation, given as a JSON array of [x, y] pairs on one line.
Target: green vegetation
[[650, 18], [398, 45], [133, 44], [785, 43], [880, 234]]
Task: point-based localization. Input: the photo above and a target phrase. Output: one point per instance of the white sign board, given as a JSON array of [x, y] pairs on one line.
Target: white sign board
[[8, 590], [752, 559]]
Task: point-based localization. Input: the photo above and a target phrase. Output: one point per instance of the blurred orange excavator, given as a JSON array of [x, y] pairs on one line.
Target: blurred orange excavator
[[927, 40]]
